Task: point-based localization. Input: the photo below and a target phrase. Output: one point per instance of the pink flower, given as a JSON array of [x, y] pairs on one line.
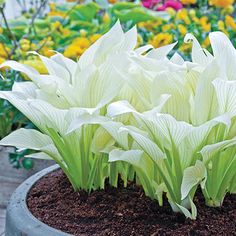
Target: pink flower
[[173, 4], [151, 4]]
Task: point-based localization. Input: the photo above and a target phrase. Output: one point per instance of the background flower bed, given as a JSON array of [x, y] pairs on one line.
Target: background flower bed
[[71, 28]]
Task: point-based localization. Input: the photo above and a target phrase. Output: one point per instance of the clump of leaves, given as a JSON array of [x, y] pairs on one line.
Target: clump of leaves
[[125, 110]]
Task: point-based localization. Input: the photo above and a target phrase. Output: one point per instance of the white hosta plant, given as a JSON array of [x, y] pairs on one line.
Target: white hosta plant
[[72, 92], [75, 94], [165, 153], [172, 121]]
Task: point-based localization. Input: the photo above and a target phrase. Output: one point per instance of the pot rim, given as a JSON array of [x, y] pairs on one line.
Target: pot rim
[[19, 219]]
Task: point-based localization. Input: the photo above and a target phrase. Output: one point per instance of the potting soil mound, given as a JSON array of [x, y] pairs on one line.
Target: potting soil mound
[[122, 211]]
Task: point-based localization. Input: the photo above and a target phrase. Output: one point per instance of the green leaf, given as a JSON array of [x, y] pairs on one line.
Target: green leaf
[[85, 12]]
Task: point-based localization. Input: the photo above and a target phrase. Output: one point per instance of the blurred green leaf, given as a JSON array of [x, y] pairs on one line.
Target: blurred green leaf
[[84, 12]]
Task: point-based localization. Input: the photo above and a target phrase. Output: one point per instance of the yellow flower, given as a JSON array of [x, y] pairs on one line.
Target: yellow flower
[[52, 6], [221, 27], [2, 60], [82, 42], [229, 9], [206, 42], [56, 13], [192, 12], [204, 24], [1, 30], [161, 39], [182, 29], [36, 64], [106, 18], [25, 47], [196, 20], [166, 27], [185, 47], [65, 32], [24, 41], [77, 48], [33, 46], [221, 3], [229, 21], [94, 38], [183, 15], [187, 2], [46, 51], [171, 11], [112, 1], [83, 33], [56, 25], [140, 40], [3, 51], [150, 25]]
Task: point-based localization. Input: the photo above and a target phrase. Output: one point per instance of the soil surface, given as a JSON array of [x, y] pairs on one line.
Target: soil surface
[[122, 211]]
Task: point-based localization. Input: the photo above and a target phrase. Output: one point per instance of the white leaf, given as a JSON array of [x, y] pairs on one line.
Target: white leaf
[[39, 155], [193, 175], [27, 138], [161, 52], [225, 55], [226, 96], [86, 119], [133, 157]]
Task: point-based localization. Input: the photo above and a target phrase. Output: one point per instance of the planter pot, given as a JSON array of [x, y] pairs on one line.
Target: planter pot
[[19, 220], [125, 211]]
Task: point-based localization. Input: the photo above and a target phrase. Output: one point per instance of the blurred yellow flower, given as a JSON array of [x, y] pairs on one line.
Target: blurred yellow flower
[[94, 38], [77, 48], [183, 15], [52, 6], [4, 51], [206, 42], [106, 18], [171, 11], [1, 30], [2, 60], [25, 47], [187, 2], [56, 13], [221, 27], [166, 27], [182, 29], [229, 9], [140, 41], [185, 47], [192, 12], [36, 64], [150, 25], [221, 3], [204, 24], [112, 1], [56, 25], [229, 22], [161, 39], [83, 33], [196, 20], [33, 46], [47, 51], [65, 32], [24, 41]]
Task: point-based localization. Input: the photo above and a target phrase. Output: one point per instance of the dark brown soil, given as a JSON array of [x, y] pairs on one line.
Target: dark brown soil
[[122, 211]]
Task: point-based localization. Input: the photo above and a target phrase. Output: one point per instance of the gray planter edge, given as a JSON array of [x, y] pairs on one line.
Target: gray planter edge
[[19, 220]]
